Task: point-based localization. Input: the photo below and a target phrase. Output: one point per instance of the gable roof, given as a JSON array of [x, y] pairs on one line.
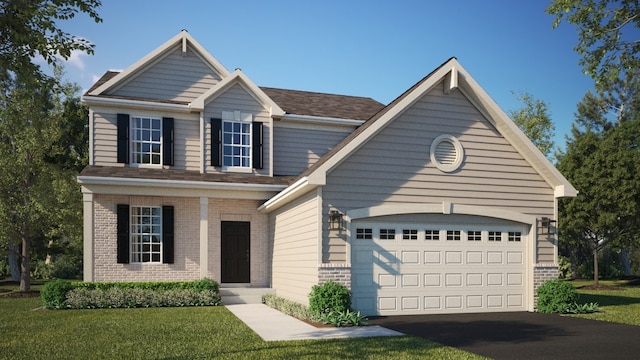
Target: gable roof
[[453, 75], [183, 38]]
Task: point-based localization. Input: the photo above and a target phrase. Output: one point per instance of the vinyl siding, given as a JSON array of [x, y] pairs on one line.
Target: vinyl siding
[[236, 98], [395, 167], [186, 145], [174, 77], [295, 149], [294, 229]]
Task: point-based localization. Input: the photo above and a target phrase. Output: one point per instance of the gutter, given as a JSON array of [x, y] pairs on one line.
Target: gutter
[[296, 189], [97, 180]]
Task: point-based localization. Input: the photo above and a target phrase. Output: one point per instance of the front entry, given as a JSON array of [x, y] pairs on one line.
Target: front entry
[[236, 240]]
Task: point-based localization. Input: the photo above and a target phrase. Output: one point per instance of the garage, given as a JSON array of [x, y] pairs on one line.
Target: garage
[[438, 264]]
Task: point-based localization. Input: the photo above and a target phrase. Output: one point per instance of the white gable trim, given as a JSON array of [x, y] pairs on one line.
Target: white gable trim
[[237, 77], [181, 39], [481, 100]]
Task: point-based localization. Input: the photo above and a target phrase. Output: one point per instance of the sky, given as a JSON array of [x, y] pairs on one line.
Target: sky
[[369, 48]]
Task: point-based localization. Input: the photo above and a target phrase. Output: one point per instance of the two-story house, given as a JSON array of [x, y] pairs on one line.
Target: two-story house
[[434, 203]]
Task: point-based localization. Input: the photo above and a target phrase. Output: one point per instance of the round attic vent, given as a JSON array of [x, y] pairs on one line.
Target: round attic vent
[[447, 153]]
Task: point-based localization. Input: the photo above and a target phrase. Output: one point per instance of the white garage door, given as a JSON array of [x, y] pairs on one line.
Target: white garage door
[[411, 269]]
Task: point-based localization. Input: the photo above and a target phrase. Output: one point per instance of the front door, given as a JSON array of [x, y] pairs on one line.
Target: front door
[[235, 251]]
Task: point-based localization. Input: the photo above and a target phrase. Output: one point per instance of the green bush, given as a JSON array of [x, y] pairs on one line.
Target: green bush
[[329, 297], [342, 318], [556, 296], [54, 294], [288, 307], [87, 295]]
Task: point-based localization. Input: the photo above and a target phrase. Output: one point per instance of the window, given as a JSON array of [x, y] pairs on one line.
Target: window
[[453, 235], [515, 236], [432, 234], [364, 234], [387, 234], [409, 234], [146, 234], [474, 235], [495, 236], [237, 142], [146, 140]]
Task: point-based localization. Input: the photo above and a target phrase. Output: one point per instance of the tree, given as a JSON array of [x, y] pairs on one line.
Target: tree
[[535, 121], [28, 28], [605, 168], [607, 35], [38, 191]]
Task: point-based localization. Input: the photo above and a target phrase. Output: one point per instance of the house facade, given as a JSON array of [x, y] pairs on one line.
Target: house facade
[[434, 203]]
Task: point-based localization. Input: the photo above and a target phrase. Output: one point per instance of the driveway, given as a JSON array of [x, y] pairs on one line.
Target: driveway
[[522, 335]]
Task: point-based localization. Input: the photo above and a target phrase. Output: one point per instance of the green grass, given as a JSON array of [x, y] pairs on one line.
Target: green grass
[[619, 306], [177, 333]]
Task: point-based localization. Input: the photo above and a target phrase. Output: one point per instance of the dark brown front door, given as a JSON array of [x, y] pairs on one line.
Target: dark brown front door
[[235, 251]]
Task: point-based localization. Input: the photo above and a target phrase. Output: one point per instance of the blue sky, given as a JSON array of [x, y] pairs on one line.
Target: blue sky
[[370, 48]]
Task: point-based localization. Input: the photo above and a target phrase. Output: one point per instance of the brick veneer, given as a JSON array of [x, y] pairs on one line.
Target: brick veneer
[[542, 273], [340, 273]]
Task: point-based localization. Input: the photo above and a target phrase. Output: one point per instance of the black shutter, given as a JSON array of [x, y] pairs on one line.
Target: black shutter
[[216, 142], [257, 145], [123, 138], [123, 233], [167, 234], [167, 141]]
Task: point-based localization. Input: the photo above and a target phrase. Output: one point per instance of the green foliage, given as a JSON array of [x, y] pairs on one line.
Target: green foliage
[[564, 268], [606, 38], [54, 294], [83, 295], [329, 297], [555, 296], [342, 318], [117, 297], [534, 120], [576, 308], [288, 307], [30, 28]]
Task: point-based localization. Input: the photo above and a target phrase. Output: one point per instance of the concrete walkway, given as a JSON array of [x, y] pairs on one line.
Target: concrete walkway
[[272, 325]]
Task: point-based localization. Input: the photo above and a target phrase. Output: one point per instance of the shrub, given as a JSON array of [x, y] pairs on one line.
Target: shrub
[[288, 307], [54, 294], [341, 318], [556, 296], [329, 297]]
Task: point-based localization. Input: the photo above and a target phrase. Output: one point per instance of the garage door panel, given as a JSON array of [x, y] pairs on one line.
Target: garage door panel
[[426, 274]]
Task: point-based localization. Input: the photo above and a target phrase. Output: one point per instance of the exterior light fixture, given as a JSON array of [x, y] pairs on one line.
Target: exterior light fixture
[[549, 225], [335, 220]]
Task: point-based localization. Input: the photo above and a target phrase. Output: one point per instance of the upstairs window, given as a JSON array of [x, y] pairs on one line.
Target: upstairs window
[[143, 140], [236, 142], [146, 140]]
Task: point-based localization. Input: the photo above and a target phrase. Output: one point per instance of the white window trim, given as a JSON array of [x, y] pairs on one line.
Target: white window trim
[[132, 141], [132, 235], [238, 117], [458, 149]]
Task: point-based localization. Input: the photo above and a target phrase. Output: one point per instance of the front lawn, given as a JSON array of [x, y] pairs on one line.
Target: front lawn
[[621, 305], [176, 333]]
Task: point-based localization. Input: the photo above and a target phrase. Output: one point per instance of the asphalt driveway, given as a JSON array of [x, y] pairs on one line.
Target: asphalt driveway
[[522, 335]]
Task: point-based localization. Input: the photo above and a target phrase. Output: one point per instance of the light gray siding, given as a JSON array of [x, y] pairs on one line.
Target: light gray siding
[[105, 139], [174, 77], [394, 167], [295, 149], [186, 145], [294, 231], [236, 98]]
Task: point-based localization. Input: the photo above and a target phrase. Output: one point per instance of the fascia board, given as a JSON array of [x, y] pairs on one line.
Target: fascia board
[[134, 104], [159, 52], [176, 184], [237, 77], [298, 188], [507, 128]]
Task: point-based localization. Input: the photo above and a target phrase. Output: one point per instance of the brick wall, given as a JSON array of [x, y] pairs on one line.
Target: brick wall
[[542, 273], [186, 256], [340, 273]]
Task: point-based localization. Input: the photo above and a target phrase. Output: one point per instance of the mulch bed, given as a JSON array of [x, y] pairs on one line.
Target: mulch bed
[[20, 294]]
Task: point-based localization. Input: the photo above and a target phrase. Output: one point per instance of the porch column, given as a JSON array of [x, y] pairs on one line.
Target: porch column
[[204, 237], [87, 236]]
